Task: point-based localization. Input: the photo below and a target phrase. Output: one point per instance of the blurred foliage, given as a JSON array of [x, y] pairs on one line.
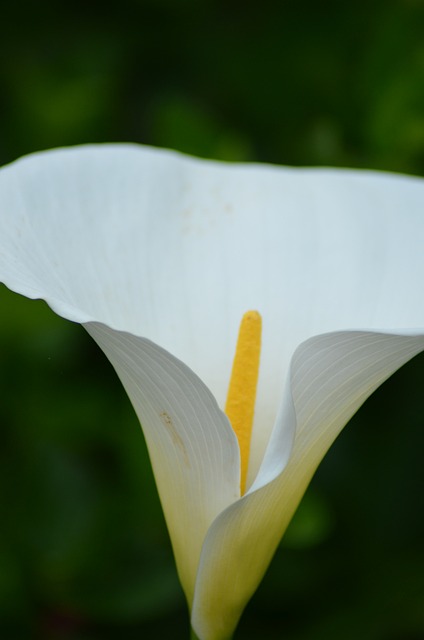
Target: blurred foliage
[[84, 553]]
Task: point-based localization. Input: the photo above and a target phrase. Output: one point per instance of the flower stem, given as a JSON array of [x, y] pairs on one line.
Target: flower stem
[[194, 637]]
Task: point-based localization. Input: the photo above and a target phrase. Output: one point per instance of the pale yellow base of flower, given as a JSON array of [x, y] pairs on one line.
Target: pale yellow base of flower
[[194, 637]]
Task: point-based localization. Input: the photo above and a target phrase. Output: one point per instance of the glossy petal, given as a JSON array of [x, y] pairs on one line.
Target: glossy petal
[[193, 450], [176, 249], [331, 376], [144, 245]]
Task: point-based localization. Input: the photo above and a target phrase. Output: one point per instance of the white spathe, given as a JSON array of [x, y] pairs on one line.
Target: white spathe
[[159, 255]]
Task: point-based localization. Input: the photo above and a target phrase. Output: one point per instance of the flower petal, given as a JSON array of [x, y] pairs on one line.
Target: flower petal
[[193, 450], [176, 249], [331, 376], [155, 244]]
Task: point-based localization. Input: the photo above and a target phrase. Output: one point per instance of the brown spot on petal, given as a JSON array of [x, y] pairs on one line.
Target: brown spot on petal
[[176, 438]]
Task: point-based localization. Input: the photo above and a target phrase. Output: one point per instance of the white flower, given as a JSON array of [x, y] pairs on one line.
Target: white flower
[[159, 256]]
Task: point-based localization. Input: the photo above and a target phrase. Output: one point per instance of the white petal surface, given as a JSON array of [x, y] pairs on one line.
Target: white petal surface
[[176, 249], [194, 452], [331, 376], [145, 245]]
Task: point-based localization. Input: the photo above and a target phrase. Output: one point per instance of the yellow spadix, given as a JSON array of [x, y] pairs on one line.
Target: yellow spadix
[[240, 405]]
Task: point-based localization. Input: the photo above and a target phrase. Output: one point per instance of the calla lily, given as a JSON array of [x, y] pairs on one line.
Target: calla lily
[[159, 256]]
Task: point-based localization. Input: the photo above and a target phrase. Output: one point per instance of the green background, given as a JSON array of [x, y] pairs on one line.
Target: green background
[[84, 553]]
